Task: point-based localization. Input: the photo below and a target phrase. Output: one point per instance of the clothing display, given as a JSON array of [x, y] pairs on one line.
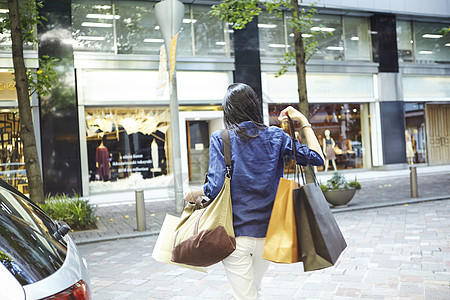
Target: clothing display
[[257, 165], [102, 160], [329, 150]]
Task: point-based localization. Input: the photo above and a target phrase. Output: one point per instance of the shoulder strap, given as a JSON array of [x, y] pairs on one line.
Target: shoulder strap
[[226, 150]]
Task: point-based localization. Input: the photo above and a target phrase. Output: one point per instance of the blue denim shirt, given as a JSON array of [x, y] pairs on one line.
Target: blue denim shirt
[[257, 165]]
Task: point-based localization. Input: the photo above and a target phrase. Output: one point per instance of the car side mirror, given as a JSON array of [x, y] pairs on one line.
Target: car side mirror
[[62, 230]]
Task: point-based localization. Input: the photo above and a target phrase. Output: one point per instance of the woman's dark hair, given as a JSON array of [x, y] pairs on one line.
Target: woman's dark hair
[[241, 104]]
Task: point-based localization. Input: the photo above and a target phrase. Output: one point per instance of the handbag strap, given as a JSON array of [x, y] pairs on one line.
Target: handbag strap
[[311, 170], [292, 134], [227, 151], [297, 166]]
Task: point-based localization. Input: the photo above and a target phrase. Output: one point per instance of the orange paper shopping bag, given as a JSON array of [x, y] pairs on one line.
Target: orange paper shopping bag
[[281, 238]]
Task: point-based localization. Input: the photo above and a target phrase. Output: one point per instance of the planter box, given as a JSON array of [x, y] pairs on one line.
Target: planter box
[[339, 197]]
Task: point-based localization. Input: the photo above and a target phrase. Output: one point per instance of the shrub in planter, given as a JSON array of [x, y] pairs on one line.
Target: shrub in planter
[[338, 191], [75, 211]]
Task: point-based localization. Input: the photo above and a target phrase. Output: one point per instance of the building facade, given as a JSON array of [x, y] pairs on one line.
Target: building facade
[[379, 84]]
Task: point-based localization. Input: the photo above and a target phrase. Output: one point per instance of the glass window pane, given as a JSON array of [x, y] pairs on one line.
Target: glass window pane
[[430, 43], [271, 35], [184, 43], [127, 146], [136, 28], [330, 47], [404, 41], [209, 33], [92, 26], [12, 165], [5, 37], [415, 134], [357, 42]]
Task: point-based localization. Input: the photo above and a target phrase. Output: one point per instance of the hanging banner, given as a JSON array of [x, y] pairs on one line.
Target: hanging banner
[[173, 51], [162, 83]]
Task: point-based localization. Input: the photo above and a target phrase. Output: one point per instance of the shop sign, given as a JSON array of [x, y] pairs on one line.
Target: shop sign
[[7, 86], [321, 87], [429, 88], [132, 163]]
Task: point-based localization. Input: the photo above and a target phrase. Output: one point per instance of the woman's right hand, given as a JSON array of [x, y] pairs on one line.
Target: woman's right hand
[[293, 114]]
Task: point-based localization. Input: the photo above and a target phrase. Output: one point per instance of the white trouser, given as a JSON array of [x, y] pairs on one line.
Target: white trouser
[[245, 268]]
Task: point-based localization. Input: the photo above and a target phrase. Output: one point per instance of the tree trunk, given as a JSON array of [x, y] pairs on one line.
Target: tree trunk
[[26, 121], [300, 68], [300, 63]]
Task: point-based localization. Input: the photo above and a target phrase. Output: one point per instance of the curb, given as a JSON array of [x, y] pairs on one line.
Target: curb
[[333, 210], [117, 237], [386, 204]]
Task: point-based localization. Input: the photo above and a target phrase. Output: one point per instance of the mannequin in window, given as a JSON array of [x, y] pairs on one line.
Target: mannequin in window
[[409, 148], [328, 149], [102, 161]]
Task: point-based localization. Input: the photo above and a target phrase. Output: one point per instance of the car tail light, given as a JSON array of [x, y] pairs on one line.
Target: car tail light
[[78, 291]]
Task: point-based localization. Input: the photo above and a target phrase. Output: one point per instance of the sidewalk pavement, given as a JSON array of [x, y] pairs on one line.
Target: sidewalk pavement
[[117, 213]]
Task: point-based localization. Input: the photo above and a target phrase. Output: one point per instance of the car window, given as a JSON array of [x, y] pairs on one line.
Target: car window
[[27, 246]]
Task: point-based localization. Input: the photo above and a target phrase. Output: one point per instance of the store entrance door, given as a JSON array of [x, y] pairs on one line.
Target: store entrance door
[[438, 121], [198, 150]]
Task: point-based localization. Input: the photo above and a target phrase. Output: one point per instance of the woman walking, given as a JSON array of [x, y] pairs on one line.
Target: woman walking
[[257, 153]]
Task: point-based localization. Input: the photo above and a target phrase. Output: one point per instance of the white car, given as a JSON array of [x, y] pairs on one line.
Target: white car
[[38, 260]]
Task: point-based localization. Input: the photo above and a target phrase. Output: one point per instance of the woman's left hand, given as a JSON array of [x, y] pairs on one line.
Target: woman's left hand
[[192, 194]]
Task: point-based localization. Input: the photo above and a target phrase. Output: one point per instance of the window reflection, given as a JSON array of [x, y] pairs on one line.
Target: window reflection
[[422, 42], [130, 27], [92, 23], [330, 47], [405, 41], [136, 32], [271, 36], [357, 39], [5, 37], [431, 45], [209, 33]]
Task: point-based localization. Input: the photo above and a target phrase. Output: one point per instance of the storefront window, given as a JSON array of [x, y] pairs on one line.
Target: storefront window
[[415, 134], [338, 129], [127, 147], [12, 165]]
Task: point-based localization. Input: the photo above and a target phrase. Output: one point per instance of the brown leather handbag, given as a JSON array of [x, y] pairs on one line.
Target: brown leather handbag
[[205, 236]]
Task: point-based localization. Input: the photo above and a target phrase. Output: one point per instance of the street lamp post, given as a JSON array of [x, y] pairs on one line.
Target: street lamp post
[[169, 15]]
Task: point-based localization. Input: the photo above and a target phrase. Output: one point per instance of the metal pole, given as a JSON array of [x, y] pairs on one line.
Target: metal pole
[[169, 15], [414, 185], [176, 146], [140, 211]]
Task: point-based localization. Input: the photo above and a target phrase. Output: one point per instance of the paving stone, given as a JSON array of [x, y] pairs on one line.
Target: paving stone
[[377, 238]]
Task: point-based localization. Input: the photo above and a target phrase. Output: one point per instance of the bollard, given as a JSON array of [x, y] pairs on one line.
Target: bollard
[[414, 186], [140, 211]]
